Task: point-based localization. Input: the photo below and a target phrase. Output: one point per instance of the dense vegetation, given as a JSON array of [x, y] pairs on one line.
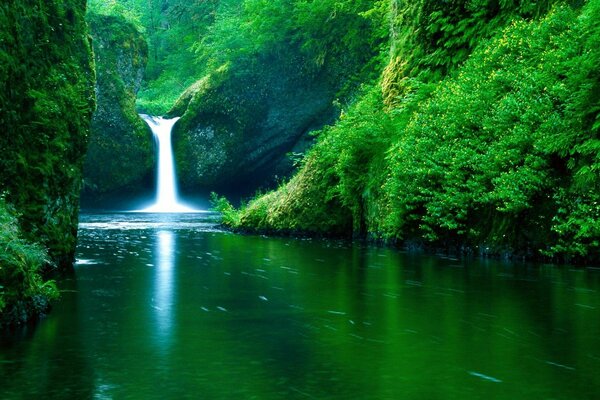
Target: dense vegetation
[[172, 29], [481, 134], [46, 102], [275, 71], [475, 128], [251, 78]]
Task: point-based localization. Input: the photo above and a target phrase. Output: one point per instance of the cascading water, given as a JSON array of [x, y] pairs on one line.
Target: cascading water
[[166, 189]]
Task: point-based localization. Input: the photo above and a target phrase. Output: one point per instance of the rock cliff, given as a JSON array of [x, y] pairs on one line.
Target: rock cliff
[[46, 102], [121, 153], [237, 126]]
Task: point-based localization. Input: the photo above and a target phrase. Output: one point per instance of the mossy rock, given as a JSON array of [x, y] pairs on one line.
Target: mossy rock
[[121, 152], [238, 124], [46, 102]]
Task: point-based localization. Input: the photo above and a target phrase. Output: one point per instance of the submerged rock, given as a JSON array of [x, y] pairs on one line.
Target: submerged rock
[[121, 150]]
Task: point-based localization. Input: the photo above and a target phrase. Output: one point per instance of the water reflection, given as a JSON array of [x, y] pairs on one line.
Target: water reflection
[[162, 297], [34, 359], [194, 313]]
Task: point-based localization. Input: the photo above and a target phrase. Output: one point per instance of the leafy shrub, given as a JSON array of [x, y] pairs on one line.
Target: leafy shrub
[[23, 292], [229, 215]]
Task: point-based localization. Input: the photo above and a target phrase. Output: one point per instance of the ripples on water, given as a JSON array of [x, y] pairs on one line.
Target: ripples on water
[[171, 307], [199, 221]]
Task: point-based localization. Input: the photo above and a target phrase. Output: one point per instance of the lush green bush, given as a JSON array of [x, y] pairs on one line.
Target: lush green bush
[[484, 159], [577, 220], [308, 203], [23, 292], [352, 151], [502, 153], [432, 38], [229, 215]]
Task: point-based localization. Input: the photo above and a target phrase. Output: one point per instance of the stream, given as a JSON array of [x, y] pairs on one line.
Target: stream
[[165, 306]]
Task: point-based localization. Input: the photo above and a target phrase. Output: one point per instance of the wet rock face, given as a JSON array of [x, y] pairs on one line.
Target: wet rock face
[[237, 128], [46, 102], [121, 151]]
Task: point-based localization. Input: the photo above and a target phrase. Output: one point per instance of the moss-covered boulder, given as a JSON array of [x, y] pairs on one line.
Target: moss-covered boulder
[[46, 103], [238, 124], [121, 154]]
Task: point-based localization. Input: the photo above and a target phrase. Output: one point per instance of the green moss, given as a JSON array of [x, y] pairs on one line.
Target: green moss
[[217, 118], [46, 102], [305, 204], [121, 152]]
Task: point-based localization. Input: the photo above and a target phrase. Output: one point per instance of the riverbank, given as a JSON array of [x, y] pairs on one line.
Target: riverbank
[[419, 246], [239, 222]]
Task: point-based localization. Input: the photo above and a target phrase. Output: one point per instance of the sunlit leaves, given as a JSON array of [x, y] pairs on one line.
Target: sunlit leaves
[[503, 151]]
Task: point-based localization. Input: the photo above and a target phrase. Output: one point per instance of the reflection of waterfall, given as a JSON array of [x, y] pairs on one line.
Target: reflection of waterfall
[[162, 299], [166, 188]]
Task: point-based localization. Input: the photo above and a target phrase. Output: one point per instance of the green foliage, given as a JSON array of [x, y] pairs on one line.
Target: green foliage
[[229, 215], [338, 40], [502, 152], [188, 40], [431, 38], [577, 220], [158, 96], [577, 223], [171, 29], [478, 142], [125, 9], [495, 142], [305, 204], [355, 148], [23, 292]]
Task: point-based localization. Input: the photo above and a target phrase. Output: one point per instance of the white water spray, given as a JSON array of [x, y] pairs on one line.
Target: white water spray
[[166, 190]]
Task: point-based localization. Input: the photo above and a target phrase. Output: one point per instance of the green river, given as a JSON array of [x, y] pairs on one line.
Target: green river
[[171, 307]]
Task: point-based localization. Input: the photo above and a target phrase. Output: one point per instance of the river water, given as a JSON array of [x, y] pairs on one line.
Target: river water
[[170, 307]]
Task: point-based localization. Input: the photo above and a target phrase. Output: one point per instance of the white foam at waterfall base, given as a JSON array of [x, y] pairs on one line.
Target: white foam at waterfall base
[[167, 199]]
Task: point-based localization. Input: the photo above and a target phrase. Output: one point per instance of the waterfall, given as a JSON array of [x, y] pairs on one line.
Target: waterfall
[[166, 188]]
